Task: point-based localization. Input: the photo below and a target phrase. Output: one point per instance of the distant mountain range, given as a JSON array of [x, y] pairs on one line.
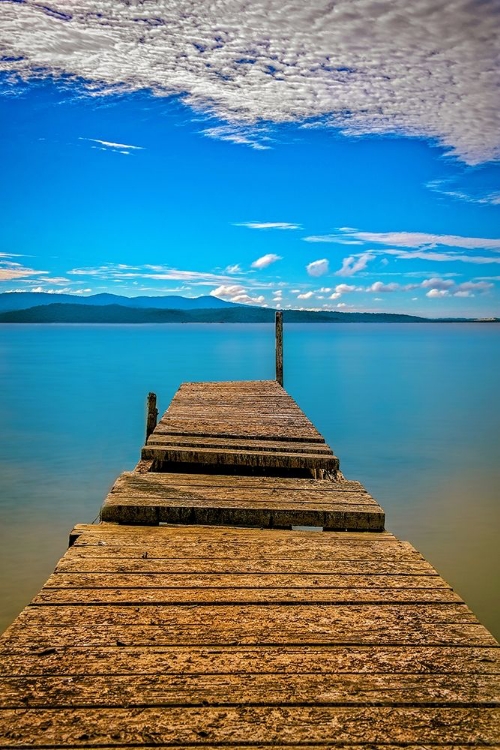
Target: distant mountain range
[[24, 300], [39, 307]]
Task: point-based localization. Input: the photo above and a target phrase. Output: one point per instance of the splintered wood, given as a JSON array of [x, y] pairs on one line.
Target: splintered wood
[[249, 427], [209, 637], [217, 636]]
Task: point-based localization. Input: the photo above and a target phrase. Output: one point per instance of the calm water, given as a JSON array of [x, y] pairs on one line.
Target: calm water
[[411, 410]]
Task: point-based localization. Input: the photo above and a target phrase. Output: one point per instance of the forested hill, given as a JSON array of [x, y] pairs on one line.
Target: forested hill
[[80, 313]]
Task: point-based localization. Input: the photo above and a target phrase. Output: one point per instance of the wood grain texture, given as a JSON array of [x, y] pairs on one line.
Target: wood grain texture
[[238, 428], [157, 497], [194, 635]]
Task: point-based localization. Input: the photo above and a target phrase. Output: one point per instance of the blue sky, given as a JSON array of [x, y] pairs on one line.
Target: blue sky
[[209, 148]]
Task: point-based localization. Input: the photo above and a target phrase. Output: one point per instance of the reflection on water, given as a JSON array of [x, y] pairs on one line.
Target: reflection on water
[[411, 410]]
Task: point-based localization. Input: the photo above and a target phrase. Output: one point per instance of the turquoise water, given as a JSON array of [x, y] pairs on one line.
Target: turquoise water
[[411, 410]]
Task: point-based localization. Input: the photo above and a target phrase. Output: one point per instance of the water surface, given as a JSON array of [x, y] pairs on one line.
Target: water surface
[[411, 410]]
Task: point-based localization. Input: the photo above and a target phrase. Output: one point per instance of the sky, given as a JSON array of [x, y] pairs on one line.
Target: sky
[[322, 155]]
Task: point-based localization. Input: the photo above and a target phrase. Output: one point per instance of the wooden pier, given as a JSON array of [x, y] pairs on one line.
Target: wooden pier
[[198, 614]]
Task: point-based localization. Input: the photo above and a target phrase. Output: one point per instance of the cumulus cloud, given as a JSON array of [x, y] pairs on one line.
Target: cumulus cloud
[[305, 295], [236, 293], [354, 263], [420, 69], [317, 267], [268, 225], [379, 286], [266, 260], [437, 283], [446, 288], [437, 293], [343, 288]]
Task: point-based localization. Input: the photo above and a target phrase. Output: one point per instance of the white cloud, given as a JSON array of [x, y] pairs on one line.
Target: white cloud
[[268, 225], [236, 293], [245, 299], [437, 293], [123, 272], [482, 197], [10, 270], [420, 69], [354, 263], [437, 283], [305, 295], [426, 240], [317, 267], [241, 135], [236, 268], [120, 147], [343, 288], [227, 290], [266, 260], [379, 286], [475, 286]]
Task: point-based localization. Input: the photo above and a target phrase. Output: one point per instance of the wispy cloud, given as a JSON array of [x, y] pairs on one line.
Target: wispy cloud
[[481, 197], [422, 69], [10, 270], [354, 263], [426, 240], [119, 271], [242, 135], [122, 148], [266, 260], [268, 225]]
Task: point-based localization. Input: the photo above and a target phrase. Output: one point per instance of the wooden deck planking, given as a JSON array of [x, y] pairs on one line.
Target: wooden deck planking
[[156, 497], [201, 636], [178, 659], [235, 427]]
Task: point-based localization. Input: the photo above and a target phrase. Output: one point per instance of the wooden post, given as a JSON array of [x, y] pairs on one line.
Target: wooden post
[[279, 347], [152, 414]]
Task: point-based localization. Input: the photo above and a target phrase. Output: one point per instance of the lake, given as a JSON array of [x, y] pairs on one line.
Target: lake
[[412, 411]]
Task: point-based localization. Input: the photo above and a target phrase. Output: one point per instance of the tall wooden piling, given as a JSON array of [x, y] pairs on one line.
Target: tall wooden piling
[[152, 414], [279, 347]]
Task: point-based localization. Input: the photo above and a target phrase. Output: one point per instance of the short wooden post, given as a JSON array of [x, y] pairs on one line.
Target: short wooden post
[[152, 414], [279, 347]]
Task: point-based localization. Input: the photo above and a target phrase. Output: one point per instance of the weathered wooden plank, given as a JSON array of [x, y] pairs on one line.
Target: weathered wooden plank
[[412, 632], [248, 482], [228, 551], [295, 446], [137, 596], [415, 583], [270, 537], [172, 689], [145, 498], [232, 515], [214, 457], [274, 660], [272, 429], [308, 619], [249, 724], [425, 624], [213, 486], [276, 540], [255, 566]]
